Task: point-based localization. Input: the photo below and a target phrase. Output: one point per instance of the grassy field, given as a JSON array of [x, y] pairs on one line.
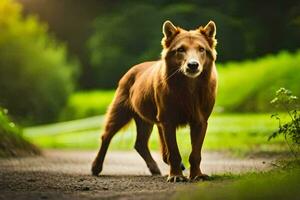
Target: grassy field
[[87, 103], [238, 133]]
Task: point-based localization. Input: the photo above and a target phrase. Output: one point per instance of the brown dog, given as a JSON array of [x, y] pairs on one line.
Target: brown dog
[[178, 89]]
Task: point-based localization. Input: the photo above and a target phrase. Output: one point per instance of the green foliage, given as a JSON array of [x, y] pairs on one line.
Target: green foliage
[[241, 33], [12, 142], [291, 129], [243, 87], [122, 39], [36, 77], [246, 86], [87, 104], [6, 125]]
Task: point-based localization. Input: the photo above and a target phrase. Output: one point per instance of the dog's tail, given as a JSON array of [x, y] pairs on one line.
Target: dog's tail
[[118, 113]]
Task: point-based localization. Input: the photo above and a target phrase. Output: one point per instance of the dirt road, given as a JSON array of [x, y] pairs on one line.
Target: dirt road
[[66, 175]]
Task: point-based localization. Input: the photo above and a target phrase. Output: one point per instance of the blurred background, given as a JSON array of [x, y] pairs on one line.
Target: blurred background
[[60, 62]]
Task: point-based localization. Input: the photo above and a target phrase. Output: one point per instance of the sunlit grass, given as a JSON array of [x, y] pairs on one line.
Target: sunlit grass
[[238, 133], [87, 103], [276, 184]]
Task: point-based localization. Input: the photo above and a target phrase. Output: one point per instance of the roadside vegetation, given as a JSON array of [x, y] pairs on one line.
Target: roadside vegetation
[[290, 128], [12, 142]]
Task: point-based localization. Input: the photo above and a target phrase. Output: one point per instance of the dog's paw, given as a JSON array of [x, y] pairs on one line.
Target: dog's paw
[[96, 169], [154, 169], [176, 178], [201, 177], [155, 172]]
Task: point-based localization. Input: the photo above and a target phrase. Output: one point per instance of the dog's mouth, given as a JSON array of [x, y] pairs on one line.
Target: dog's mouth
[[192, 73]]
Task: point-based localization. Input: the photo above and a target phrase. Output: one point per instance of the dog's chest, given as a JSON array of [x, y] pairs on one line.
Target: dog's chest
[[185, 107]]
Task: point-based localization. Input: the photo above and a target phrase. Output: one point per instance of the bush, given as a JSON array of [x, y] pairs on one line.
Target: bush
[[36, 77], [290, 129], [12, 143], [246, 86], [87, 104]]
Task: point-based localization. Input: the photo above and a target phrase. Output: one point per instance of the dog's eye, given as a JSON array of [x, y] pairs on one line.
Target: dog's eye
[[201, 49], [181, 49]]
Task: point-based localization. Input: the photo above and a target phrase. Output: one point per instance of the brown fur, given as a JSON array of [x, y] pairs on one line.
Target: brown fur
[[164, 93]]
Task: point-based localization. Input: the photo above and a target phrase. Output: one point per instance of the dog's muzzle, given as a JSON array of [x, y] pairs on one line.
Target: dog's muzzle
[[193, 68]]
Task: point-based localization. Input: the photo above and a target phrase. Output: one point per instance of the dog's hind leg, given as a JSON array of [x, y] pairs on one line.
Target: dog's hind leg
[[164, 150], [118, 116], [144, 130]]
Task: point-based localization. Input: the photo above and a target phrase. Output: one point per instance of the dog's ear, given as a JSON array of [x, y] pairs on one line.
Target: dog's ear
[[169, 31], [210, 30]]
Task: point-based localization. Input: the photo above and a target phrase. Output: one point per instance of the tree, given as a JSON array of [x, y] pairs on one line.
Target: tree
[[36, 76], [129, 36]]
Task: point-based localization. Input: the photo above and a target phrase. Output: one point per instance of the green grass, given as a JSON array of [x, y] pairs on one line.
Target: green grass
[[238, 133], [86, 104], [275, 184]]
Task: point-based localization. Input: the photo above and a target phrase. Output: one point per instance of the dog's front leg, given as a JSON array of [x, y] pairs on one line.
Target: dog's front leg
[[173, 155], [198, 131]]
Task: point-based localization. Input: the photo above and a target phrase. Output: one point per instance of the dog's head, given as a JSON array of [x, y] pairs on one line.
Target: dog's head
[[189, 52]]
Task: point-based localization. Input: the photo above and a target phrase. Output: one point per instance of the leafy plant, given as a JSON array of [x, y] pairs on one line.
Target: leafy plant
[[12, 142], [290, 129], [6, 125]]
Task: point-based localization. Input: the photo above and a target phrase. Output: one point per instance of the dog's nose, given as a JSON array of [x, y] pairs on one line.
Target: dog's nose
[[193, 65]]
